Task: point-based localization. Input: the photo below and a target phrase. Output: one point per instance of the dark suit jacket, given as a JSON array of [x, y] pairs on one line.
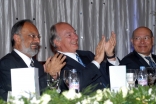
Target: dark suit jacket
[[133, 61], [89, 75], [13, 60]]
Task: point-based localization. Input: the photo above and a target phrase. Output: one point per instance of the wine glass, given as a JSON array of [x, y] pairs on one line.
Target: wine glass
[[151, 75], [51, 82], [71, 79], [131, 76], [67, 77]]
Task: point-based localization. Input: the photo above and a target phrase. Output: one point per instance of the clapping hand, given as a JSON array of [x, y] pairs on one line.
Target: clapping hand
[[100, 51], [110, 45], [54, 64]]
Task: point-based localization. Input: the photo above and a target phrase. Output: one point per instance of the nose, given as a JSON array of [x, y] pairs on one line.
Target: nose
[[142, 40], [75, 36], [36, 39]]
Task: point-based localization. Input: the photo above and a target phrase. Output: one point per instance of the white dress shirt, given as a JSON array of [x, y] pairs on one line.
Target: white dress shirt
[[25, 58], [73, 56], [143, 56]]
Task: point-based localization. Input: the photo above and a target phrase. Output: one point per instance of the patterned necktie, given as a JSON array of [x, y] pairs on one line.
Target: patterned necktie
[[32, 63], [151, 63], [79, 60]]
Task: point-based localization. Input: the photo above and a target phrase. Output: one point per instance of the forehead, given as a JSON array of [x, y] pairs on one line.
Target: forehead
[[142, 32], [29, 28], [64, 28]]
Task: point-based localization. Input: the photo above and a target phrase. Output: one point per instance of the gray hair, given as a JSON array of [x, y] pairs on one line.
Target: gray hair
[[53, 36], [17, 28]]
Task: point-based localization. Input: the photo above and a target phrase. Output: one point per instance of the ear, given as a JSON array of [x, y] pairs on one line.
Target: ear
[[57, 43], [17, 38], [132, 41], [152, 40]]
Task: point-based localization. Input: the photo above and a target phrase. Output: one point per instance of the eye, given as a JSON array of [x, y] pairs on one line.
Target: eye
[[75, 32], [69, 34], [137, 38], [147, 38]]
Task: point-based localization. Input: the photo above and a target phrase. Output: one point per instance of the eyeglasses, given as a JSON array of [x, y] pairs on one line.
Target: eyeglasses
[[34, 36], [146, 38]]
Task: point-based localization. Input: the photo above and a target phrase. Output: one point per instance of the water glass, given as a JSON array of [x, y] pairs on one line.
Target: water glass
[[131, 76], [51, 82], [151, 75]]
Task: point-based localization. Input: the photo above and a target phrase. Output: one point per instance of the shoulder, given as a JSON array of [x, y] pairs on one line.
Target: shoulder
[[81, 52], [8, 62], [9, 57], [154, 56], [131, 55]]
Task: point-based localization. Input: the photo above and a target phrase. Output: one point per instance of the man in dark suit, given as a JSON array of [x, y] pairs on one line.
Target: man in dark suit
[[92, 69], [142, 41], [25, 41]]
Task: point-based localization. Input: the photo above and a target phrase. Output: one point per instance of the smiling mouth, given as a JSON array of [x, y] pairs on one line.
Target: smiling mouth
[[74, 43], [35, 46]]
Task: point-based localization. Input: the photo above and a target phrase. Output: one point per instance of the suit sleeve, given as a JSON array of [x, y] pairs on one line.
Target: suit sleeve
[[5, 77]]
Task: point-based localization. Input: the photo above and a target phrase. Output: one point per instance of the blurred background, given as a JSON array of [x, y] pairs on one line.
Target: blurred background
[[90, 18]]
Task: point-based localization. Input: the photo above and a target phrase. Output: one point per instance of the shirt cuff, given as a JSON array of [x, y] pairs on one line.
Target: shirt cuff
[[96, 64], [115, 63]]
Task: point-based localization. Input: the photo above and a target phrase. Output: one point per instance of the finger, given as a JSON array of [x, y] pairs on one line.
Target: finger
[[114, 38], [60, 56], [56, 55], [62, 65], [63, 58], [44, 68], [47, 61], [101, 43]]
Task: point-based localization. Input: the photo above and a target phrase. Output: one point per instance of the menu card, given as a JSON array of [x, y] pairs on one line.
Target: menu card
[[25, 82], [117, 77]]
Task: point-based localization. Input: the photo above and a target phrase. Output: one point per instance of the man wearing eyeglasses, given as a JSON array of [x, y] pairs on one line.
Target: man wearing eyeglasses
[[25, 41], [142, 41]]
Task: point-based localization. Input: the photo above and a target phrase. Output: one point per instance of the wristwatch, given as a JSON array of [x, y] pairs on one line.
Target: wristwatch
[[109, 57]]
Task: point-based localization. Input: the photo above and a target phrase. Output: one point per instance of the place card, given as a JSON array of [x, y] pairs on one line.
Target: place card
[[25, 82], [117, 77]]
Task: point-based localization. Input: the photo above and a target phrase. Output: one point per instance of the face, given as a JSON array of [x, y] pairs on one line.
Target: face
[[142, 41], [68, 41], [29, 40]]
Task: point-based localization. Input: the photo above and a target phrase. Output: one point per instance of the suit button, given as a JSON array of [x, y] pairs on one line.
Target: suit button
[[100, 83]]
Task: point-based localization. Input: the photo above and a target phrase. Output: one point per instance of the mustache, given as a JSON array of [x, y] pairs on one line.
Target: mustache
[[37, 44]]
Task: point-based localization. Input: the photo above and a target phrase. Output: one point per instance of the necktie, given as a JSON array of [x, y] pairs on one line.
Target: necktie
[[151, 63], [79, 60], [32, 63]]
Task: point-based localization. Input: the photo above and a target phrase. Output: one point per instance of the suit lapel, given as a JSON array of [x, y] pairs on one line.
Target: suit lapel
[[140, 59], [154, 58], [18, 60], [73, 64]]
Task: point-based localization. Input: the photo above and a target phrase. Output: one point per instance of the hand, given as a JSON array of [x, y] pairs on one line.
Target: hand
[[54, 64], [110, 45], [100, 51]]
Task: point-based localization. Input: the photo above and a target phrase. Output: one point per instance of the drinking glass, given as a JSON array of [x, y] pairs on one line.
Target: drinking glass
[[151, 75], [71, 79], [131, 76], [51, 82], [67, 77]]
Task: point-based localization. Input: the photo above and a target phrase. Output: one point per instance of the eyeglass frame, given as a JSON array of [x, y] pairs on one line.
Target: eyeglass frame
[[34, 36], [145, 38]]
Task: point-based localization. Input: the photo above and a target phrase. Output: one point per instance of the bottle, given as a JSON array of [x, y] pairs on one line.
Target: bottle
[[142, 76], [74, 82]]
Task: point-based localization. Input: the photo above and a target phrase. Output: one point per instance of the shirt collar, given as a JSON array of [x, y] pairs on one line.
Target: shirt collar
[[144, 55], [25, 58], [69, 54]]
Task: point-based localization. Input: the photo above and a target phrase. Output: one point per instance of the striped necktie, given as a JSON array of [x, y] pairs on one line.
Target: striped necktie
[[32, 63], [151, 63], [79, 60]]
